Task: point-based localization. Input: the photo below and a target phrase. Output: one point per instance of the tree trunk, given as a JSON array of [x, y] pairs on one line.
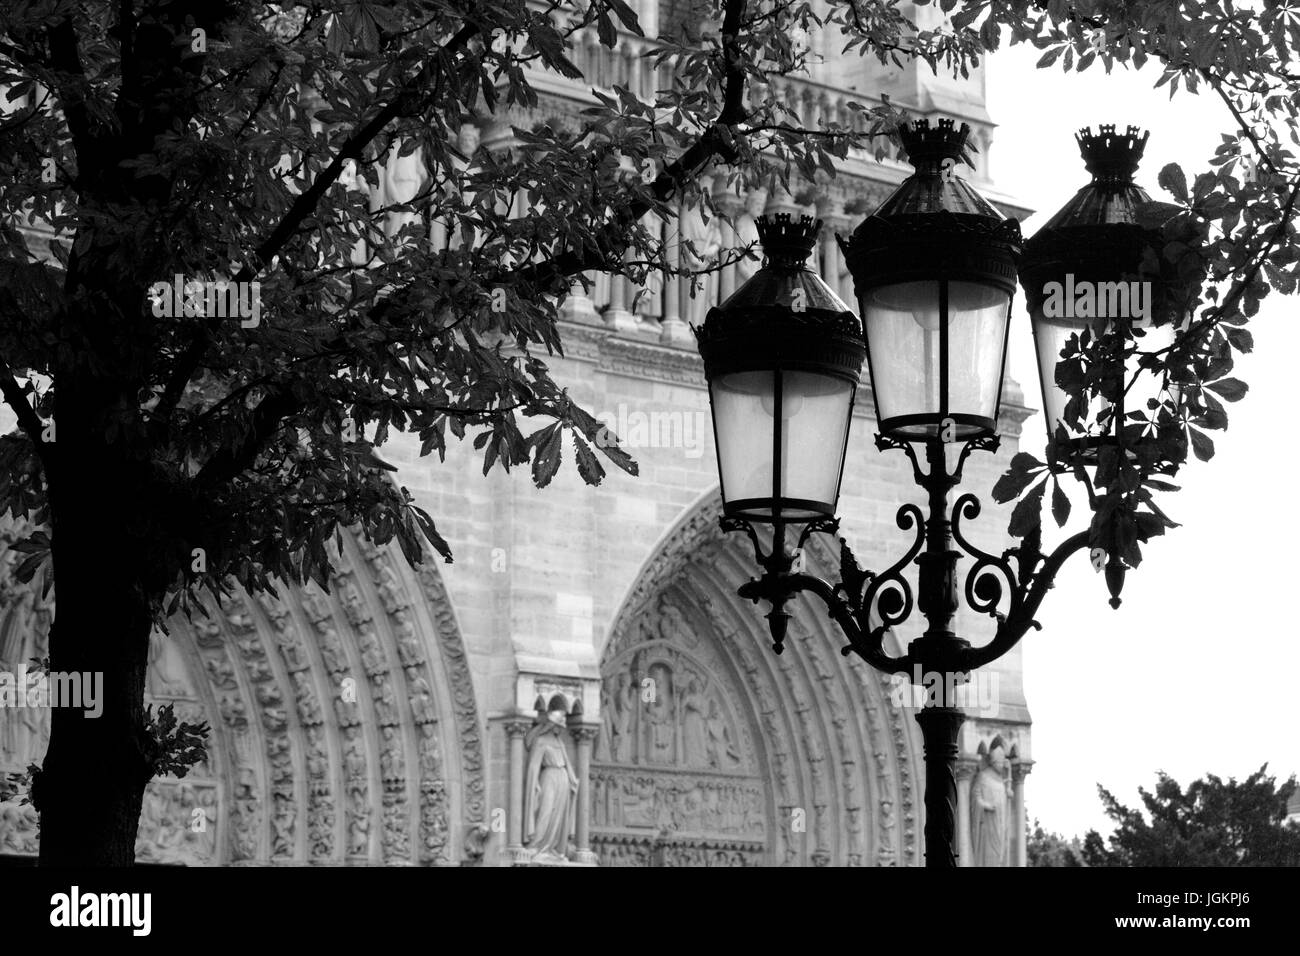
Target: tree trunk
[[91, 786]]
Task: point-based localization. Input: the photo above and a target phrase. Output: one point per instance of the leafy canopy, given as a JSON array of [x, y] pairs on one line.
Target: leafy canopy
[[1211, 823]]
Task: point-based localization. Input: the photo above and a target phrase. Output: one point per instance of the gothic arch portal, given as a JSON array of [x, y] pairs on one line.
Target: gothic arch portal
[[344, 726], [802, 759]]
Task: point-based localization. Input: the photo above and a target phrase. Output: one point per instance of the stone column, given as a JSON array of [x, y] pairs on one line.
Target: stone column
[[965, 774], [673, 328], [516, 728], [648, 16], [584, 735], [578, 307], [731, 206], [830, 249], [617, 316], [649, 308], [1019, 849]]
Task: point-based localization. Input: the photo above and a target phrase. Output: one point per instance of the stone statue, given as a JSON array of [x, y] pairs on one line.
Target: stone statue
[[660, 717], [619, 708], [695, 734], [166, 676], [700, 244], [359, 814], [372, 653], [721, 751], [989, 808], [421, 698], [354, 759], [401, 181], [430, 755], [747, 235], [331, 649], [550, 786]]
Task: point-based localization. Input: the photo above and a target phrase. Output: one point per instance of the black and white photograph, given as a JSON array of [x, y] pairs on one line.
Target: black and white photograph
[[553, 435]]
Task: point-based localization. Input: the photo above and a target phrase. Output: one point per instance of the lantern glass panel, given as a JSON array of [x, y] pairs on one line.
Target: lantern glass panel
[[1050, 338], [904, 325], [813, 410], [977, 335]]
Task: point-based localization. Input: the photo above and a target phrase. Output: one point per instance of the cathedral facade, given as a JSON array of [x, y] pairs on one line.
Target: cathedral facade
[[583, 686]]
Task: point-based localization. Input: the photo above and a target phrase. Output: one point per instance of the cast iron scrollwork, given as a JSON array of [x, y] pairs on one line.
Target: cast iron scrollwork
[[889, 596], [986, 579], [893, 590]]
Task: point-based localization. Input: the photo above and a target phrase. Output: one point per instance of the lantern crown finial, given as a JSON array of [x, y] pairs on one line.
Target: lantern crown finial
[[787, 242], [1112, 157], [926, 144]]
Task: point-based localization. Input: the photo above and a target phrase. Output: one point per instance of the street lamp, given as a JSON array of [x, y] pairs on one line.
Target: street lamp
[[1085, 277], [935, 273], [782, 357]]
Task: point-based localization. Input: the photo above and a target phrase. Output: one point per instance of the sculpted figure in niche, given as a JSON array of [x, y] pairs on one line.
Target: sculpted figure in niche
[[331, 649], [747, 235], [705, 243], [430, 754], [421, 698], [372, 654], [401, 180], [550, 786], [695, 734], [989, 808], [354, 759], [619, 707], [721, 750], [671, 626], [166, 676], [359, 824], [660, 716]]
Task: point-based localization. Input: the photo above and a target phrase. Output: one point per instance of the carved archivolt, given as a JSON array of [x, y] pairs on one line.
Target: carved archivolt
[[344, 727], [821, 765]]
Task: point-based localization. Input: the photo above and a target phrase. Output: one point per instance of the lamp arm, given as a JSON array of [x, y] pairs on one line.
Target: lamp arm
[[1026, 600], [779, 588]]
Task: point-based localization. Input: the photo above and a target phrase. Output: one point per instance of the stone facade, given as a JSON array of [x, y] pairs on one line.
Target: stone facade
[[393, 720]]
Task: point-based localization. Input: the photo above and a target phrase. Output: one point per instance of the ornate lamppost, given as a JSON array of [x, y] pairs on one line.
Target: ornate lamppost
[[935, 272]]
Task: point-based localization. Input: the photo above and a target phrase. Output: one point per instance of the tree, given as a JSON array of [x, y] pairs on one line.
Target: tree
[[1052, 849], [157, 456], [1211, 823], [169, 443]]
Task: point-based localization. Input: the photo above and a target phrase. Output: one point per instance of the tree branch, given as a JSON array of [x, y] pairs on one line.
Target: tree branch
[[27, 417], [302, 207]]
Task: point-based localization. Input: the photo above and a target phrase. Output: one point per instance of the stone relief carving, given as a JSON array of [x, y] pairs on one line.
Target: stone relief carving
[[458, 677]]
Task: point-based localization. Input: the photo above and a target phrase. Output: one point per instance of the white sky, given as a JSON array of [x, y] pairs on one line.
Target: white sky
[[1195, 673]]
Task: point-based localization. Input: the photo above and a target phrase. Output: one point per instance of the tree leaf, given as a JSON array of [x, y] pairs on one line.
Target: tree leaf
[[1060, 504], [589, 466], [1028, 513], [1202, 445], [627, 15], [1174, 180], [546, 460], [1241, 339], [1232, 389], [1017, 477]]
